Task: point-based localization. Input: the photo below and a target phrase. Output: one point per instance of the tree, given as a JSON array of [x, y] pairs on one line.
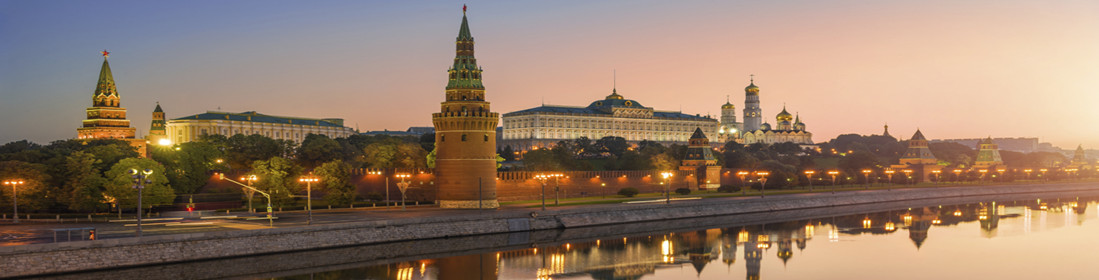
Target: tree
[[664, 161], [120, 184], [336, 176], [317, 149], [277, 177], [612, 144], [508, 153], [32, 193], [83, 188], [857, 161], [188, 165], [541, 160], [242, 151], [395, 155]]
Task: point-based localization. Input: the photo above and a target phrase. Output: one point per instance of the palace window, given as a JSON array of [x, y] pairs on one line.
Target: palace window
[[463, 137]]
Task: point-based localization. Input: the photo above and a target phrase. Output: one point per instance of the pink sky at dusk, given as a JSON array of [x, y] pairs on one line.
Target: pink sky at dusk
[[954, 69]]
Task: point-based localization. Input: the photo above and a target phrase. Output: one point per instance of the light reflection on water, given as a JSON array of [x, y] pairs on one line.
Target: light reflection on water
[[1032, 239]]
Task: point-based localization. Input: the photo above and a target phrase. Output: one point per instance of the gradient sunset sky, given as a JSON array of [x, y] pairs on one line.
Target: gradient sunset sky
[[954, 69]]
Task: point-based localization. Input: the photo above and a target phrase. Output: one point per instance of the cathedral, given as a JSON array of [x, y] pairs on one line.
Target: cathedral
[[788, 127]]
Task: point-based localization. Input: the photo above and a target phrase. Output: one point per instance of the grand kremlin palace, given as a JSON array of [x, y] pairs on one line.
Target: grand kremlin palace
[[615, 115], [190, 128]]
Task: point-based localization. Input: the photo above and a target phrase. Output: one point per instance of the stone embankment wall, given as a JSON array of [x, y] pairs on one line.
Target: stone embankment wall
[[128, 252]]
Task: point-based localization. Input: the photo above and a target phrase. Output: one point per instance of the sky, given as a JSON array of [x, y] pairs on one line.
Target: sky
[[954, 69]]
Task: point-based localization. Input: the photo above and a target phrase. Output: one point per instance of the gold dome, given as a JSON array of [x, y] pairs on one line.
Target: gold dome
[[614, 95], [784, 116], [728, 106]]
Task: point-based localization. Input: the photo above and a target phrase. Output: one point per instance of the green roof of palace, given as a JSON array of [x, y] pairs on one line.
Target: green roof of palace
[[257, 117]]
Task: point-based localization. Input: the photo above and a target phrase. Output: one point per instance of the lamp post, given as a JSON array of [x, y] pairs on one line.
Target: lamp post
[[250, 179], [958, 175], [866, 174], [556, 189], [762, 182], [403, 186], [809, 175], [1043, 171], [743, 183], [833, 173], [667, 186], [308, 180], [937, 177], [249, 190], [983, 171], [15, 198], [542, 178], [889, 174], [1027, 171], [908, 175], [140, 179]]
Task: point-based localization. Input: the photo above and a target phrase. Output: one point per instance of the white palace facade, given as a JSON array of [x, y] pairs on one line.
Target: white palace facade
[[190, 128]]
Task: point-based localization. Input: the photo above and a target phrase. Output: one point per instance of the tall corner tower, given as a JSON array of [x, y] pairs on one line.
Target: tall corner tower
[[465, 134], [752, 114], [157, 133], [106, 119]]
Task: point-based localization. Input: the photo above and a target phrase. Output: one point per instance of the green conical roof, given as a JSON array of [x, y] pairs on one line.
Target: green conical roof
[[105, 85], [918, 135], [463, 33], [158, 110], [698, 134]]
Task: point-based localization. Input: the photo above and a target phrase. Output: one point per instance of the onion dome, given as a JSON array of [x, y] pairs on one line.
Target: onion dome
[[784, 115], [728, 106], [751, 89], [765, 126]]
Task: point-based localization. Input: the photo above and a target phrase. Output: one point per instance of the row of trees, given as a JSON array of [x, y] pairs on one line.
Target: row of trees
[[91, 175]]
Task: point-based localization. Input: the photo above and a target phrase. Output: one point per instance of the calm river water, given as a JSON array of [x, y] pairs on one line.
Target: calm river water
[[1024, 239]]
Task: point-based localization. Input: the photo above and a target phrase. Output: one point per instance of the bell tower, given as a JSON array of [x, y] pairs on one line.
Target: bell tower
[[752, 115], [465, 134]]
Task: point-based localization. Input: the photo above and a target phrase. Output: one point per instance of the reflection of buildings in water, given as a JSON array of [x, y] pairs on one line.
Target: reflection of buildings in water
[[753, 257], [921, 221], [480, 267], [989, 217]]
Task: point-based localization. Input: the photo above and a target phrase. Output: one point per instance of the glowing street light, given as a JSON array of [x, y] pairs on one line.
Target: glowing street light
[[1001, 173], [1043, 171], [889, 174], [140, 179], [403, 186], [983, 171], [1027, 171], [248, 188], [809, 174], [866, 174], [958, 174], [937, 175], [743, 181], [908, 173], [309, 180], [762, 181], [833, 173], [667, 186], [14, 198]]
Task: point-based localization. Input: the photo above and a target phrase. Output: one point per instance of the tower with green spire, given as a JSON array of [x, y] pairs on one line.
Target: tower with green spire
[[106, 119], [157, 133], [988, 155], [465, 134]]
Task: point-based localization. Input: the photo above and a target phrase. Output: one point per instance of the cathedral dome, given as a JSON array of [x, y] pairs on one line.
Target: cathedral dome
[[765, 126], [728, 106], [784, 115], [751, 89], [614, 95]]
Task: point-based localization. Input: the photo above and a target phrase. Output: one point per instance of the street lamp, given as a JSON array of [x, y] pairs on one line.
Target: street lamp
[[309, 180], [833, 173], [809, 175], [762, 181], [958, 175], [889, 174], [1043, 171], [542, 178], [1027, 171], [908, 175], [403, 186], [251, 191], [983, 171], [15, 198], [743, 183], [667, 186], [937, 177], [866, 174], [140, 179]]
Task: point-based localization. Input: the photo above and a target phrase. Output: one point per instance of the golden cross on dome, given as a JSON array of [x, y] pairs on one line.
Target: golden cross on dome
[[105, 53]]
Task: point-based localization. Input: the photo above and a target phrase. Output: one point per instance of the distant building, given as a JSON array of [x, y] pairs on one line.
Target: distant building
[[158, 134], [614, 115], [411, 131], [106, 119], [700, 158], [190, 128], [988, 155], [788, 128], [918, 159], [1020, 144]]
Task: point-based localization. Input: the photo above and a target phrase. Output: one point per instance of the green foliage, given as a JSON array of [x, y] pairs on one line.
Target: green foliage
[[394, 154], [241, 151], [317, 149], [854, 162], [683, 191], [953, 153], [430, 159], [612, 145], [508, 153], [83, 188], [336, 178], [188, 165], [33, 193], [427, 142], [278, 177], [120, 184], [628, 192], [782, 175]]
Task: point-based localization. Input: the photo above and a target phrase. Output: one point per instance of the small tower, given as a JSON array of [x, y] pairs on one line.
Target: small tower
[[700, 158], [106, 119], [784, 120], [157, 134], [752, 113], [886, 133], [465, 134], [988, 155], [1080, 159], [918, 158], [798, 125]]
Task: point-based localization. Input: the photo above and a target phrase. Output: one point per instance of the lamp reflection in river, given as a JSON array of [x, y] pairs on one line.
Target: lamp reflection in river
[[866, 222], [890, 226], [742, 237]]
